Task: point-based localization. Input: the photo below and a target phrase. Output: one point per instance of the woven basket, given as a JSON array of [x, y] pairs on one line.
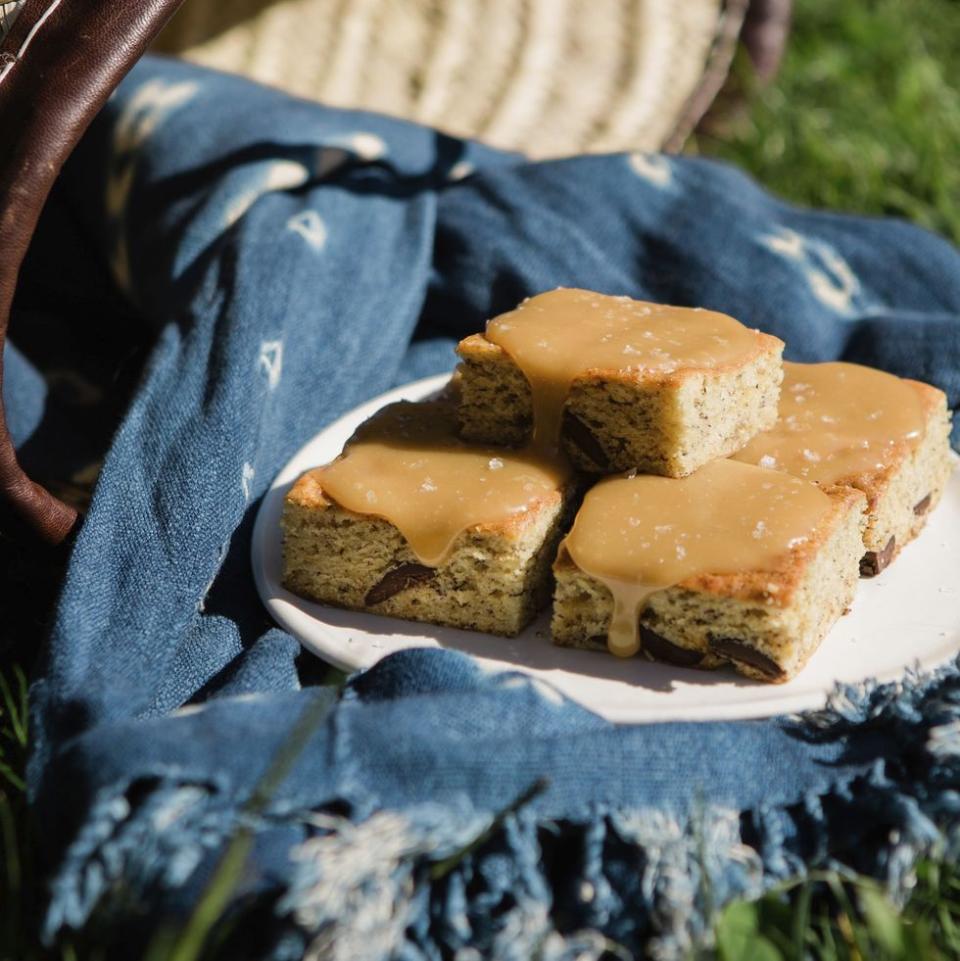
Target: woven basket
[[8, 13], [548, 77]]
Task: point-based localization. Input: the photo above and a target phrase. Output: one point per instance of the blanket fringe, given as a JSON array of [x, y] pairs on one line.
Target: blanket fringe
[[537, 888]]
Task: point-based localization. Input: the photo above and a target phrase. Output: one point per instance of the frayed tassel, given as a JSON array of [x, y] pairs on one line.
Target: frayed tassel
[[431, 881]]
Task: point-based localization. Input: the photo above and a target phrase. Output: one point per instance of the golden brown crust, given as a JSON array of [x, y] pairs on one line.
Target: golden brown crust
[[307, 492], [477, 348], [932, 398], [493, 579], [616, 420], [875, 483], [774, 588]]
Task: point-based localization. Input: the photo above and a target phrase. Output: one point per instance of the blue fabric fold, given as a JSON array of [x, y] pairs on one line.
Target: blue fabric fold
[[292, 261]]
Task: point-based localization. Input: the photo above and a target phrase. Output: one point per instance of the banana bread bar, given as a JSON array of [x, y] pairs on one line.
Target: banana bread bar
[[618, 383], [412, 523], [847, 424], [734, 564]]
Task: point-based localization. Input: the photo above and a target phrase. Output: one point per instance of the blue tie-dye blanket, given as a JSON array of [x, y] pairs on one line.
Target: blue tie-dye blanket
[[292, 261]]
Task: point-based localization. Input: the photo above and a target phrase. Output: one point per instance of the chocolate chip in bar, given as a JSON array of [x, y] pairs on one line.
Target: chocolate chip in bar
[[736, 650], [921, 507], [660, 649], [577, 431], [400, 578], [872, 562]]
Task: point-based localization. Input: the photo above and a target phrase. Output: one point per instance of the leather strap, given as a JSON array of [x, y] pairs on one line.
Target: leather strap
[[765, 33], [59, 63], [762, 26]]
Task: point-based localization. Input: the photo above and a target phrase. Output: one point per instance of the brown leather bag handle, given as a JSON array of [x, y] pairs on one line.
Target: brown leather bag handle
[[59, 63], [762, 26]]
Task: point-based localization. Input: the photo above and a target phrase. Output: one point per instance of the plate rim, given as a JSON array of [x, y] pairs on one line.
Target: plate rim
[[287, 608], [270, 507]]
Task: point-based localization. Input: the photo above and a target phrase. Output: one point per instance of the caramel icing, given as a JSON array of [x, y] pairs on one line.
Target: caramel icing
[[638, 533], [557, 336], [407, 465], [838, 421]]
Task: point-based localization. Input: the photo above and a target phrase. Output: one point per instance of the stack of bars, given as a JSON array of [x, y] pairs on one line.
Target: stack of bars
[[677, 489]]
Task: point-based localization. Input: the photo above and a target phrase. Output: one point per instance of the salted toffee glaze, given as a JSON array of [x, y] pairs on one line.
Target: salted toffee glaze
[[838, 420], [638, 533], [407, 465], [557, 336]]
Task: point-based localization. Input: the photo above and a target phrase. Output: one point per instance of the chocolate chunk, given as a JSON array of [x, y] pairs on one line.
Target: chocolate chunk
[[399, 579], [577, 431], [736, 650], [872, 563], [661, 649], [921, 507]]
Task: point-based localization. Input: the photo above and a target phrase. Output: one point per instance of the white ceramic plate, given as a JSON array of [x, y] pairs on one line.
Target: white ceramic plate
[[908, 615]]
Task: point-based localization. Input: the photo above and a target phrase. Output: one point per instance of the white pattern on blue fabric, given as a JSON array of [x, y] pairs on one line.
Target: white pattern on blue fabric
[[341, 149], [140, 117], [828, 275], [246, 476], [276, 176], [355, 890], [654, 168], [271, 360], [310, 226], [460, 170], [367, 146], [786, 242], [147, 109]]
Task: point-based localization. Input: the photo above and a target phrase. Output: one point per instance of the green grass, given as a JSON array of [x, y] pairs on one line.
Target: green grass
[[19, 888], [834, 918], [13, 746], [865, 117]]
